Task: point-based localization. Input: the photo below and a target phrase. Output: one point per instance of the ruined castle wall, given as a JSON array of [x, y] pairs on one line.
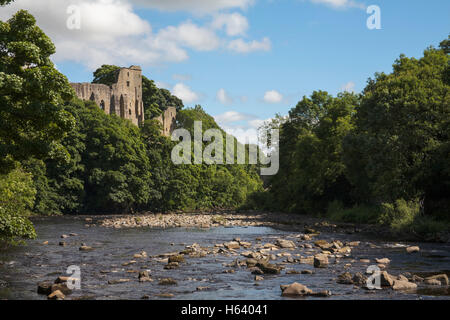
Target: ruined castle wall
[[99, 93], [124, 98], [168, 121]]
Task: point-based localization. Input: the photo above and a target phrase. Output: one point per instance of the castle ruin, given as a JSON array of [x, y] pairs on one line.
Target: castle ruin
[[124, 98]]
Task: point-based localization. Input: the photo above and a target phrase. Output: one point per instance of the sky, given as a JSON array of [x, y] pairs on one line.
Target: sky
[[243, 60]]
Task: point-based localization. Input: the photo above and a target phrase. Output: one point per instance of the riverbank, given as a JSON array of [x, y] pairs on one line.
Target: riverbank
[[283, 221]]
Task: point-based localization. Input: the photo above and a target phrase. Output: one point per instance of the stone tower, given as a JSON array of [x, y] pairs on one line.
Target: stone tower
[[123, 98], [168, 121]]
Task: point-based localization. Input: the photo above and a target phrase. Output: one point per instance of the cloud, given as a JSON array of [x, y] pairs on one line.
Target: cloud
[[182, 77], [112, 33], [239, 125], [196, 6], [233, 116], [185, 93], [234, 23], [243, 126], [239, 45], [223, 97], [349, 87], [190, 35], [339, 4], [273, 96]]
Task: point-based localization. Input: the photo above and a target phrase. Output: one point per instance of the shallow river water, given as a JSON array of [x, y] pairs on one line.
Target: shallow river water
[[23, 267]]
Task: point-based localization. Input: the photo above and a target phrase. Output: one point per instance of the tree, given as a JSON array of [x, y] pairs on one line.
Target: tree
[[16, 199], [32, 91], [312, 173], [399, 148], [106, 74]]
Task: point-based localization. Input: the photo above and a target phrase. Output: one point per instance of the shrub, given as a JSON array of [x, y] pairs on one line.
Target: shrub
[[17, 196]]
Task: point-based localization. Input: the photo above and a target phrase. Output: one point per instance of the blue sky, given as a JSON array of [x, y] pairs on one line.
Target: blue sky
[[298, 46]]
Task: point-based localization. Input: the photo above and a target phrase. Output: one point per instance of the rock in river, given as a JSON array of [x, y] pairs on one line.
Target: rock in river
[[320, 261], [443, 278], [404, 285], [167, 281], [345, 278], [285, 244], [295, 289], [412, 249], [56, 295]]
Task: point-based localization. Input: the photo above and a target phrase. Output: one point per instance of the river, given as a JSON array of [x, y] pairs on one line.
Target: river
[[23, 267]]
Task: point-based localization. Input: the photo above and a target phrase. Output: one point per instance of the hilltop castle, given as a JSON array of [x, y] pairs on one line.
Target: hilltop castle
[[124, 98]]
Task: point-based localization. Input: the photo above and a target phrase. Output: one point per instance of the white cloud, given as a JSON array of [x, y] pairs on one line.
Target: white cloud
[[224, 97], [190, 35], [196, 6], [341, 3], [349, 87], [185, 93], [182, 77], [112, 33], [239, 45], [273, 96], [241, 125], [232, 116], [234, 23]]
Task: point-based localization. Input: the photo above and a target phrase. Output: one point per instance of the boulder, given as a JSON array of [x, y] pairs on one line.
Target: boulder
[[176, 258], [416, 278], [386, 280], [402, 277], [45, 288], [404, 285], [383, 261], [268, 268], [323, 244], [433, 282], [320, 261], [285, 244], [345, 278], [144, 276], [61, 287], [86, 248], [56, 295], [259, 278], [306, 272], [322, 294], [295, 289], [307, 260], [256, 270], [171, 265], [232, 245], [359, 279], [412, 249], [443, 278], [117, 281], [167, 281], [62, 279]]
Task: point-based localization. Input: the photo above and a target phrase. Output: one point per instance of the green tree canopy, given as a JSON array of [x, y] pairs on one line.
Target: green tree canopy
[[400, 146], [32, 121]]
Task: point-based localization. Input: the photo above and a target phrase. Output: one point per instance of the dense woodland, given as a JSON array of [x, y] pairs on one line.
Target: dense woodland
[[381, 156]]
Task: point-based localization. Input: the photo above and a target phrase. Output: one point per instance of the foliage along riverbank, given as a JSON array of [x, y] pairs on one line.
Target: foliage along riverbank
[[382, 156]]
